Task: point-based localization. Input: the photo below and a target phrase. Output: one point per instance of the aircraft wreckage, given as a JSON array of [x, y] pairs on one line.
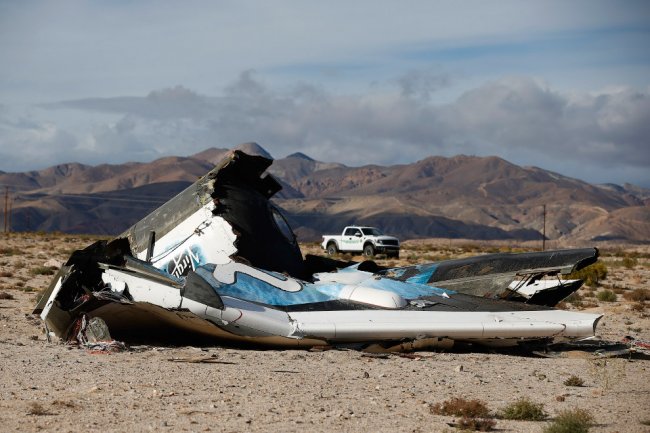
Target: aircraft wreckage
[[219, 260]]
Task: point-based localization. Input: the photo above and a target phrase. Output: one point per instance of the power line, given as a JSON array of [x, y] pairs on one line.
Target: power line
[[36, 196]]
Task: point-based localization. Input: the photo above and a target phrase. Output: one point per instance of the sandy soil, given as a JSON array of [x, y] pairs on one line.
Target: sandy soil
[[55, 387]]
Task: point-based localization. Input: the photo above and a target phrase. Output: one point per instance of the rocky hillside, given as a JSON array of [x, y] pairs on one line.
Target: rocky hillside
[[458, 197]]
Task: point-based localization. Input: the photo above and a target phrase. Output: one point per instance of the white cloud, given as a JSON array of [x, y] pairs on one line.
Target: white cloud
[[599, 136], [26, 144]]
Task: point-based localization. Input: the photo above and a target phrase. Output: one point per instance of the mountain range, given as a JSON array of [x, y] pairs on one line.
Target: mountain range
[[457, 197]]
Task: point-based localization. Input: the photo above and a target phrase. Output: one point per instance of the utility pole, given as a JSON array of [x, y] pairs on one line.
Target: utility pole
[[544, 227], [6, 205], [11, 203]]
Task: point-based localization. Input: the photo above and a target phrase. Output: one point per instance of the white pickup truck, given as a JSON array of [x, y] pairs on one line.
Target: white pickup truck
[[366, 240]]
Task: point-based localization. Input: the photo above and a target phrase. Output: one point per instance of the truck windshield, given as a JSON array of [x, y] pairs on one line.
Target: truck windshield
[[371, 231]]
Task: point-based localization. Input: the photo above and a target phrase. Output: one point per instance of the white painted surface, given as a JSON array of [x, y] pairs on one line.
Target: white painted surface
[[227, 274], [50, 300], [368, 295], [252, 319], [529, 290], [143, 290], [212, 233], [344, 277], [347, 325]]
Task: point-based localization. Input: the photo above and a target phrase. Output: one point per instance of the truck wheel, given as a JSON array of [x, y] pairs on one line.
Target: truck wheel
[[369, 250], [331, 249]]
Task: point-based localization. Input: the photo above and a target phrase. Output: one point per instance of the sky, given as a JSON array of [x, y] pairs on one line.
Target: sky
[[562, 85]]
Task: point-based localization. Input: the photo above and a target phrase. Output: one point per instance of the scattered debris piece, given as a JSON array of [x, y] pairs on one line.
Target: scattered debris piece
[[591, 348], [376, 355], [93, 334], [636, 345], [212, 359]]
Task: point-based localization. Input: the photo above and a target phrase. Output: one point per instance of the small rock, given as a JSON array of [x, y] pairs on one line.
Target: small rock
[[53, 263], [459, 368]]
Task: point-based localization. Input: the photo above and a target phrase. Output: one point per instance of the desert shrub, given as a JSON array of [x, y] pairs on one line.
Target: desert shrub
[[419, 247], [41, 270], [7, 274], [476, 424], [618, 252], [630, 262], [638, 306], [5, 295], [412, 258], [592, 274], [638, 295], [571, 421], [8, 251], [460, 407], [435, 257], [615, 252], [606, 296], [574, 381], [65, 404], [573, 298], [523, 410], [36, 408]]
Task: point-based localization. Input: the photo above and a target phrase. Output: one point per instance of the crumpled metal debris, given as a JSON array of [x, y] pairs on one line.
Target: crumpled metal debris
[[595, 348], [93, 334], [219, 261]]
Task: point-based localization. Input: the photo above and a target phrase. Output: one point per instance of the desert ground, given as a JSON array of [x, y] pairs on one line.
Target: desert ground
[[53, 386]]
